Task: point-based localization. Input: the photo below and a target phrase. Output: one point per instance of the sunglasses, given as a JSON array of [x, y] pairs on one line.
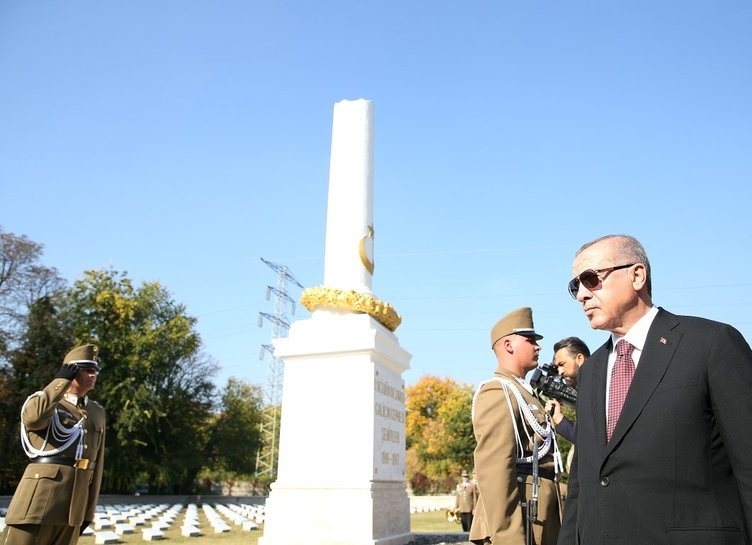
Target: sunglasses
[[591, 279]]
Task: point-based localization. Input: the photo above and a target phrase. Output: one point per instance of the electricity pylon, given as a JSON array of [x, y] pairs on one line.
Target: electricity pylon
[[266, 457]]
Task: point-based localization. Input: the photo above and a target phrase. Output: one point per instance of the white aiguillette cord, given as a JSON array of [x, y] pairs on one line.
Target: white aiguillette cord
[[63, 436], [548, 434]]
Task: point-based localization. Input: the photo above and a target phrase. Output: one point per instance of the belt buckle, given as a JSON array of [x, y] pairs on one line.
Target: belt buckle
[[82, 464]]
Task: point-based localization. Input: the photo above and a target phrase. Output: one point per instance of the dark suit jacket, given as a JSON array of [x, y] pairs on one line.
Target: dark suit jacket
[[678, 469], [567, 429]]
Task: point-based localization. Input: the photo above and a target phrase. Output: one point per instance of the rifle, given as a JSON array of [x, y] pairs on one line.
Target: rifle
[[531, 515]]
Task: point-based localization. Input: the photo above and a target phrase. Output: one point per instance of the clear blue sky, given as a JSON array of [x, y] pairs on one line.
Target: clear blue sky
[[181, 141]]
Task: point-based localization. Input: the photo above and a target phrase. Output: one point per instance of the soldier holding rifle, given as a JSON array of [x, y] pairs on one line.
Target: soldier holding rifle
[[515, 439]]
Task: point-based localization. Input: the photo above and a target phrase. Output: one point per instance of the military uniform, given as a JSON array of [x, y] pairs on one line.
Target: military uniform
[[507, 417], [64, 438], [466, 495]]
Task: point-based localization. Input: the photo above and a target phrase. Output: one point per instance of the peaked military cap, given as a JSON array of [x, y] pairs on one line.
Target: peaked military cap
[[86, 355], [517, 322]]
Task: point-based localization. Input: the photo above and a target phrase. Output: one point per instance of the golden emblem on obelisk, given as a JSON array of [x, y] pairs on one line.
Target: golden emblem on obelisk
[[367, 263]]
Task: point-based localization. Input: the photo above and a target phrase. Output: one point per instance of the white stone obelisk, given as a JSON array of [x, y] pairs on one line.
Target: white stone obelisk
[[349, 218], [341, 469]]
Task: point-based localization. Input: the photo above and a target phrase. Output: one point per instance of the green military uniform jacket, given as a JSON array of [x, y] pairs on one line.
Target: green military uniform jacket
[[59, 494], [499, 518]]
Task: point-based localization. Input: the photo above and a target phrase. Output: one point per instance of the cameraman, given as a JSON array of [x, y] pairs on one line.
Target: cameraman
[[569, 355]]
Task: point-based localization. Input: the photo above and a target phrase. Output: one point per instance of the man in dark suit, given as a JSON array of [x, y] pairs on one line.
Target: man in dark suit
[[62, 433], [673, 464]]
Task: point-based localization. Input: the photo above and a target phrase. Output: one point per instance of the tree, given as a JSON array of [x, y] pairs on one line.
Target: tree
[[33, 365], [155, 382], [439, 432], [23, 280], [45, 341], [235, 432], [27, 290]]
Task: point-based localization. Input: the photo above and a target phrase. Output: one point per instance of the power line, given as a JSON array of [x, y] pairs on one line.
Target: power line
[[266, 457]]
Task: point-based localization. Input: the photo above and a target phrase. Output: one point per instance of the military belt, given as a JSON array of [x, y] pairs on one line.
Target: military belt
[[65, 461], [543, 473]]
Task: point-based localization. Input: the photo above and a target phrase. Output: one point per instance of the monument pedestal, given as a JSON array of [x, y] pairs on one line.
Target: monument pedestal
[[341, 470]]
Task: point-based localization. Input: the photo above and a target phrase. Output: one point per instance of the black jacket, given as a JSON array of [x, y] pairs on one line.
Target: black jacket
[[678, 469]]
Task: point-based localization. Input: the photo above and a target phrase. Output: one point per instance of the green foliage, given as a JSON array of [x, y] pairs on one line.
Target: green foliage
[[33, 363], [27, 289], [439, 433], [235, 432], [155, 384]]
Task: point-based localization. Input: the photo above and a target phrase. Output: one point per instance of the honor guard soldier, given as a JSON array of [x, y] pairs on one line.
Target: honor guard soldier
[[62, 433], [516, 459], [466, 496]]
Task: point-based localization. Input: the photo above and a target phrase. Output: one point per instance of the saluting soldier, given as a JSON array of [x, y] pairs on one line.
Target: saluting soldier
[[466, 495], [62, 433], [508, 420]]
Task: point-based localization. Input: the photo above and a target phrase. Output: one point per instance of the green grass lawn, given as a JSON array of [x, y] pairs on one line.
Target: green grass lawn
[[434, 521]]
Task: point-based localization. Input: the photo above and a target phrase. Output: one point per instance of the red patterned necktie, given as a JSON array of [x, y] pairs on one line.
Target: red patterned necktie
[[621, 378]]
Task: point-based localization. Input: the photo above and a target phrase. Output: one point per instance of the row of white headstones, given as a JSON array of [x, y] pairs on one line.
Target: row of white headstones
[[113, 521]]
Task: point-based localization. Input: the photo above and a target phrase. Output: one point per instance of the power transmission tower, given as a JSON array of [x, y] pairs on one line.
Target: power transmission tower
[[266, 457]]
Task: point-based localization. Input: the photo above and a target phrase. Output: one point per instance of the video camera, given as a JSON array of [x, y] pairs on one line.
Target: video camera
[[552, 385]]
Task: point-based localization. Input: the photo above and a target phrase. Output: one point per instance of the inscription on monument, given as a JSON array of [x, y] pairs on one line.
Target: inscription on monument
[[389, 415]]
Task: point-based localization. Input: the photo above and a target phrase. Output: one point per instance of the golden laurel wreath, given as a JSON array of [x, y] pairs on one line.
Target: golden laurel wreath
[[321, 297]]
